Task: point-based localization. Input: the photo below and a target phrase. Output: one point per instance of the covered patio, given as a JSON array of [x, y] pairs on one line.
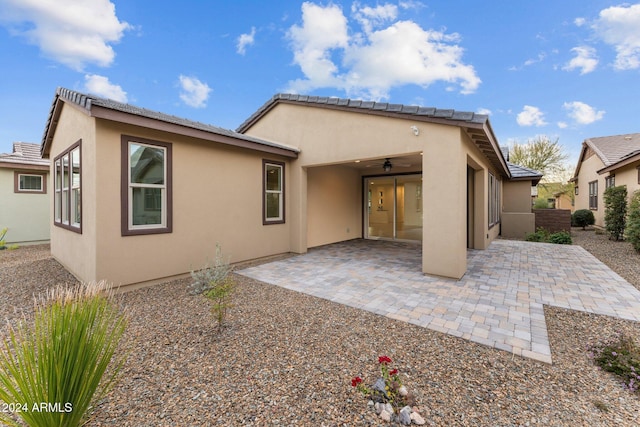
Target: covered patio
[[498, 302]]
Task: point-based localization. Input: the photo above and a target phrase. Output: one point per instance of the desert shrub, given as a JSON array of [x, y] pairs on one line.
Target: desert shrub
[[615, 213], [61, 359], [540, 204], [214, 283], [633, 221], [560, 238], [540, 235], [620, 355], [582, 218]]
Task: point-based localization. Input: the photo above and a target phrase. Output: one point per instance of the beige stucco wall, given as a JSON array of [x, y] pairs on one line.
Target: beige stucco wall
[[334, 204], [77, 252], [217, 197], [626, 175], [25, 214], [328, 137], [517, 219]]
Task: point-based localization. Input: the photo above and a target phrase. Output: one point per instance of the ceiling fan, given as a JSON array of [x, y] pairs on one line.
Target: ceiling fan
[[387, 165]]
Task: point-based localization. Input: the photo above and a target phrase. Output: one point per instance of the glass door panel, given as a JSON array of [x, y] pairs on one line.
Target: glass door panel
[[394, 207]]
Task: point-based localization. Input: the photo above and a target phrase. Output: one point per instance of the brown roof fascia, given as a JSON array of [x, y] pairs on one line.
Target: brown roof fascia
[[621, 163], [23, 166], [122, 117]]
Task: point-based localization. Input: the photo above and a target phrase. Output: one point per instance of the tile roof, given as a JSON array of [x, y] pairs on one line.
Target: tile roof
[[414, 110], [88, 102], [523, 173], [476, 125], [24, 153], [613, 149]]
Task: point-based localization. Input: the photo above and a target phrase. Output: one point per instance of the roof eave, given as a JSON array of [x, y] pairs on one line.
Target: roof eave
[[620, 164]]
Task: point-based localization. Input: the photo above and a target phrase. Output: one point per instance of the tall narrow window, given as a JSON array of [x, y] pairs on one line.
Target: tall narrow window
[[146, 186], [593, 195], [67, 201], [494, 200], [610, 181], [273, 195]]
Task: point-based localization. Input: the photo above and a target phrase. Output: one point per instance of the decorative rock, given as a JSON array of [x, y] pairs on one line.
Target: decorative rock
[[402, 391], [417, 419], [379, 385], [405, 416], [388, 408], [385, 416], [379, 407]]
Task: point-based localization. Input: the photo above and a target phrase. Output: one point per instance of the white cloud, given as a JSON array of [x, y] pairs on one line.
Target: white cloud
[[484, 111], [582, 113], [563, 125], [72, 32], [101, 86], [530, 116], [245, 40], [585, 60], [381, 57], [194, 93], [579, 22], [370, 17], [618, 26]]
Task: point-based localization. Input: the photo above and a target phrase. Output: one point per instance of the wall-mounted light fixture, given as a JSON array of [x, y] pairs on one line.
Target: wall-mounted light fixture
[[415, 130], [387, 165]]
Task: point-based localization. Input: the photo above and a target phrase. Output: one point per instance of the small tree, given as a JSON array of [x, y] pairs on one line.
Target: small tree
[[615, 213], [633, 222], [582, 218]]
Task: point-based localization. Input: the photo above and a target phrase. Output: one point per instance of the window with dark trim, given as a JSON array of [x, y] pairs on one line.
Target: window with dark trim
[[494, 200], [30, 182], [638, 174], [67, 178], [610, 181], [272, 192], [593, 195], [146, 186]]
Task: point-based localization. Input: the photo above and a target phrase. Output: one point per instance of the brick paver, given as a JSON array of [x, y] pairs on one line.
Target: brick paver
[[499, 302]]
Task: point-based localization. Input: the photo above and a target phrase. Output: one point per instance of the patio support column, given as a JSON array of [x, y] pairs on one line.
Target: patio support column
[[297, 215], [444, 183]]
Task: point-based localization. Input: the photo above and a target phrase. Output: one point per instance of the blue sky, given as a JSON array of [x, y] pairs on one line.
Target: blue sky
[[565, 69]]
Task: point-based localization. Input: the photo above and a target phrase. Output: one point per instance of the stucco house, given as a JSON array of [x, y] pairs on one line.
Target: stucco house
[[24, 184], [142, 196], [605, 162]]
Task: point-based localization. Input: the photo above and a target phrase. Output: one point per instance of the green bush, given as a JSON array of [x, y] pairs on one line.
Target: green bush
[[540, 204], [582, 218], [615, 213], [620, 355], [633, 222], [541, 235], [59, 362], [560, 238]]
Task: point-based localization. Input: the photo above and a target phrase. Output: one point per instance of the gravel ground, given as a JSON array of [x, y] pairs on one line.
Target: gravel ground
[[286, 359]]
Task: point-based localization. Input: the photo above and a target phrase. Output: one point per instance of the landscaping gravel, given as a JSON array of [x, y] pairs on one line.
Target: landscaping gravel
[[287, 359]]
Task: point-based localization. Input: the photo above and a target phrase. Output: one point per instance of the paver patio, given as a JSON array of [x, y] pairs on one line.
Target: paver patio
[[499, 302]]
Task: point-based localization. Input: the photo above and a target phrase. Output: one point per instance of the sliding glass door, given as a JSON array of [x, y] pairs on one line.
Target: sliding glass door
[[393, 208]]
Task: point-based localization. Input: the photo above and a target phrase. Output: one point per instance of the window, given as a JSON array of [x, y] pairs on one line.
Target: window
[[25, 182], [610, 181], [67, 200], [273, 192], [576, 190], [638, 174], [146, 188], [593, 195], [494, 200]]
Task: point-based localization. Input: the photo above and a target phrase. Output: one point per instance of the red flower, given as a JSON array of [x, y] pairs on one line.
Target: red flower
[[355, 381], [393, 372], [384, 359]]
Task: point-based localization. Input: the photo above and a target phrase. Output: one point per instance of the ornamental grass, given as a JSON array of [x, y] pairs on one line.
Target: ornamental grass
[[51, 371]]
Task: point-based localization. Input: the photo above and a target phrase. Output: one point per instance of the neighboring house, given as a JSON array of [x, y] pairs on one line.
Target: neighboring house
[[146, 196], [24, 183], [604, 162]]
